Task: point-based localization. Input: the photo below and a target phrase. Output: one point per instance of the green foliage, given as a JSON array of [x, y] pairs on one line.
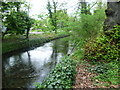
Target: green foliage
[[40, 25], [62, 76], [105, 47], [17, 22], [52, 14], [15, 43], [14, 18], [104, 53], [61, 17], [86, 25], [45, 23], [22, 44], [7, 6], [92, 24], [107, 72]]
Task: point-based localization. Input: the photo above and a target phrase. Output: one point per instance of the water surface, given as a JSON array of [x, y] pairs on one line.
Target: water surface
[[24, 69]]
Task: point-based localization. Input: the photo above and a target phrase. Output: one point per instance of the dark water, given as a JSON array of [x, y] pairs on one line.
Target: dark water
[[23, 70]]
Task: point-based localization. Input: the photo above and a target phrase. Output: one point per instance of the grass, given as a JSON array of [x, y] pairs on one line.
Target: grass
[[16, 43]]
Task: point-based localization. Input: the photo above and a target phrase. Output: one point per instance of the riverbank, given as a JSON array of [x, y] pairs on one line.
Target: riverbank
[[28, 67], [62, 76], [99, 67], [12, 44]]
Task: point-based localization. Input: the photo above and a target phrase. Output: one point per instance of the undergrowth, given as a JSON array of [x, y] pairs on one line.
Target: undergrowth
[[62, 76], [104, 54]]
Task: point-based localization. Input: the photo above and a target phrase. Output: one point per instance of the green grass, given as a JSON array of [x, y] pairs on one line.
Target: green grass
[[14, 43]]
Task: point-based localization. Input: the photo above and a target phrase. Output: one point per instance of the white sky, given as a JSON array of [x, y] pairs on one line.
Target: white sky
[[39, 6]]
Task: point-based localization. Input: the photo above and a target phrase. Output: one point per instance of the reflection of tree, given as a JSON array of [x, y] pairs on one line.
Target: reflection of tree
[[3, 74], [60, 46], [29, 59], [19, 74], [54, 54], [66, 46]]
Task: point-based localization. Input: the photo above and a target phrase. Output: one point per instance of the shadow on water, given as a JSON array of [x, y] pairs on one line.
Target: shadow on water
[[22, 70]]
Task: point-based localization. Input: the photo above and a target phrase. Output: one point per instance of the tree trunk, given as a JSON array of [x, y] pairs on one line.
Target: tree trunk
[[52, 15], [55, 19], [27, 33], [113, 15], [4, 33]]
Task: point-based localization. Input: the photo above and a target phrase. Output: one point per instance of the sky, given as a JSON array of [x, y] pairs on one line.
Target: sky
[[39, 6]]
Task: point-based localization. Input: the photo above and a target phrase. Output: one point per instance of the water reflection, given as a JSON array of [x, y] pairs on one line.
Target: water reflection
[[26, 68]]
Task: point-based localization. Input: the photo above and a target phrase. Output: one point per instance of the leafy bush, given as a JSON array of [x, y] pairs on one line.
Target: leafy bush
[[105, 48], [61, 77], [104, 53]]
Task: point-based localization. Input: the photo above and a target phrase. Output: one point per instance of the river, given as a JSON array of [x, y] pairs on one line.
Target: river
[[24, 69]]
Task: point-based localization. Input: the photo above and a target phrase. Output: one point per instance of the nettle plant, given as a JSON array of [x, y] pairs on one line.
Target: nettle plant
[[105, 47]]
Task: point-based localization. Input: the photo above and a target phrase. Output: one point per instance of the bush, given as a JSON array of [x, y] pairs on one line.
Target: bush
[[105, 48], [62, 76], [104, 53]]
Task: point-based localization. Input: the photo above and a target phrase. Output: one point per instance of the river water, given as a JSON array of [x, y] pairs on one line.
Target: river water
[[24, 69]]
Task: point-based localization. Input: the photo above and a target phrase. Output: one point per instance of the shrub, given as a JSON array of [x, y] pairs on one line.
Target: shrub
[[104, 53], [105, 48]]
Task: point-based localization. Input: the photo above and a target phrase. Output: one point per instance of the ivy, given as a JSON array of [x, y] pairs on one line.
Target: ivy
[[61, 77], [104, 54], [105, 48]]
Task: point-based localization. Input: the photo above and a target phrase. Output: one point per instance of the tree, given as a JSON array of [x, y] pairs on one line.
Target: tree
[[8, 8], [15, 19], [52, 15], [113, 15], [85, 25], [84, 7], [61, 21]]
